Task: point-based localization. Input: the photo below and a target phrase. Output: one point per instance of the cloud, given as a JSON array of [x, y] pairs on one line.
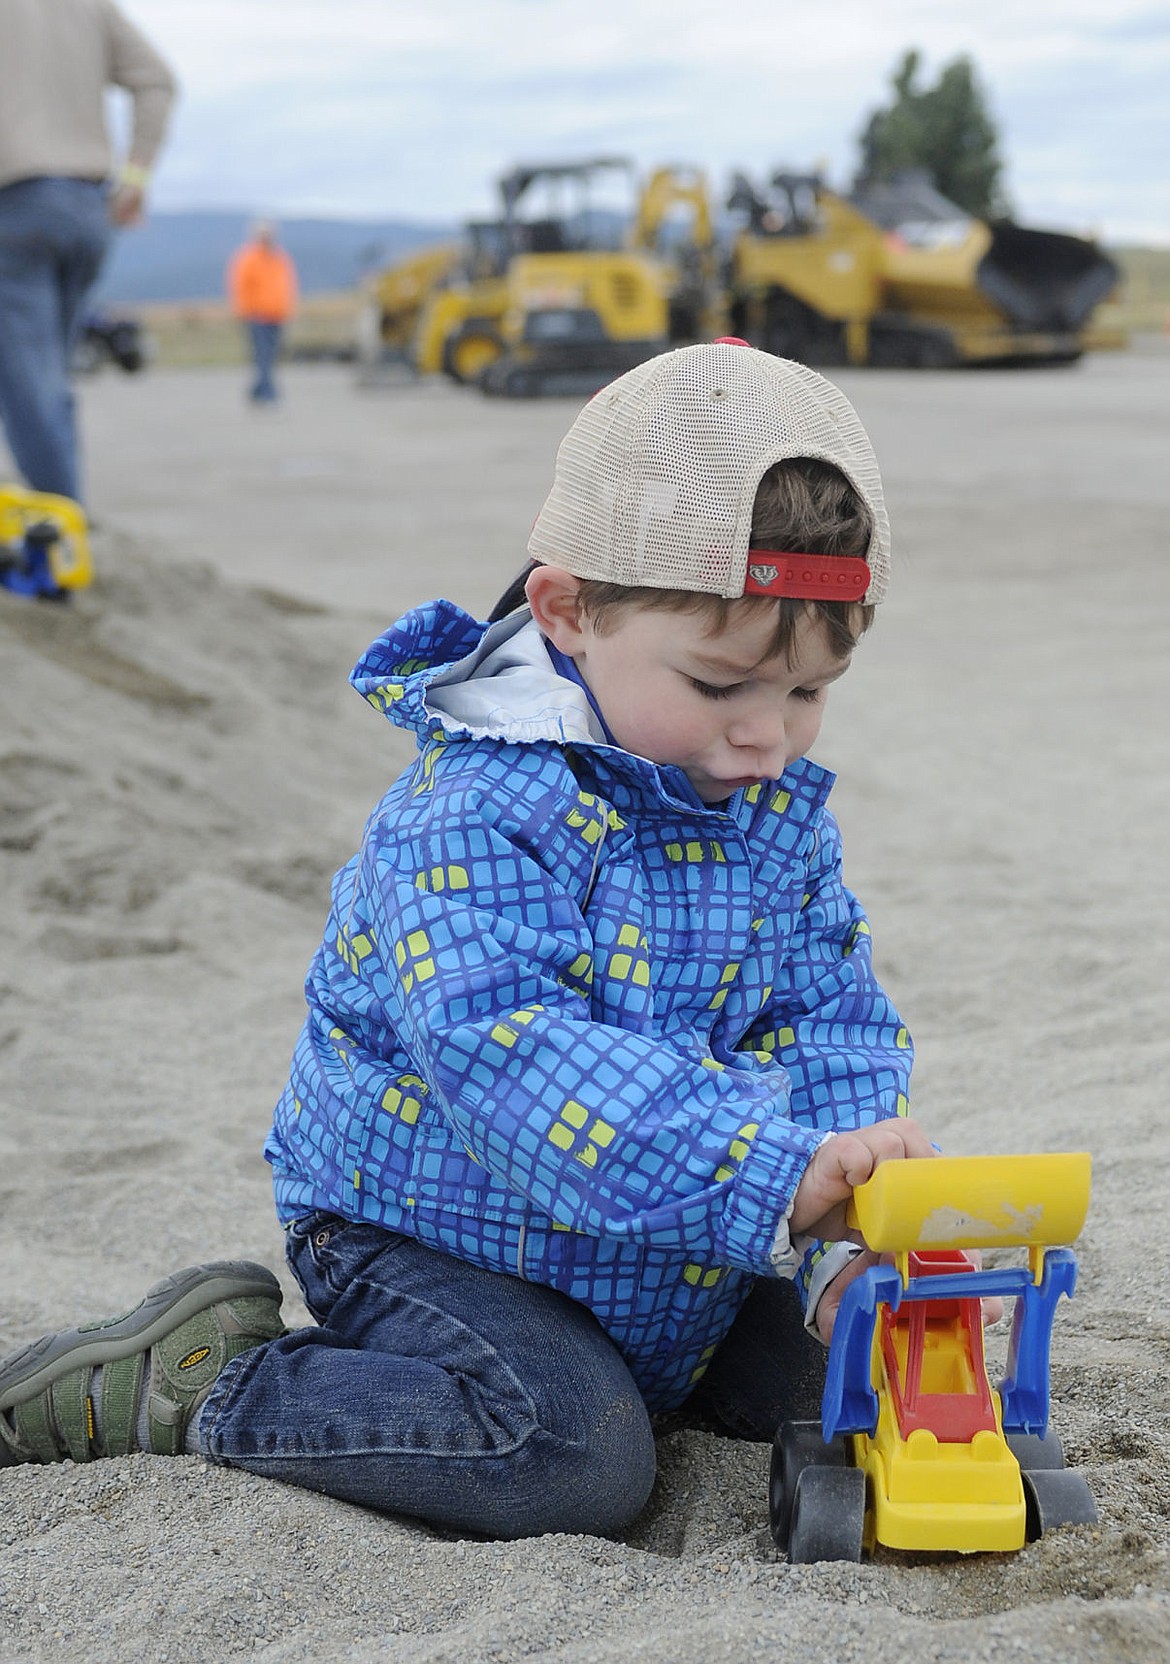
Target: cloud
[[414, 108]]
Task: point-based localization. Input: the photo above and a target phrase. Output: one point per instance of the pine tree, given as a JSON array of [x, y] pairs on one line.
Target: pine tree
[[945, 130]]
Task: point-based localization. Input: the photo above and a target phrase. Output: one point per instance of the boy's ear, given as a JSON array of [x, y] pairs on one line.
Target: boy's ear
[[554, 596]]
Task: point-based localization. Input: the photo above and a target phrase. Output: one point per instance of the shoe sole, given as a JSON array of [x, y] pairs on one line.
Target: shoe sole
[[169, 1303]]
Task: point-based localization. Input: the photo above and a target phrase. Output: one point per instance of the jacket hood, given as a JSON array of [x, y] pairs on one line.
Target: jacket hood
[[440, 669]]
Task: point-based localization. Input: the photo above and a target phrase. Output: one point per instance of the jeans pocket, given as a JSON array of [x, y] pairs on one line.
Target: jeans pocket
[[326, 1252], [313, 1232]]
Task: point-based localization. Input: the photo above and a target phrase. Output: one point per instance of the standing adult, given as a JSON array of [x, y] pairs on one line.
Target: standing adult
[[61, 196], [262, 286]]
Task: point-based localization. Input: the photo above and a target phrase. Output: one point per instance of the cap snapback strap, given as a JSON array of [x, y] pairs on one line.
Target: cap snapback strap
[[806, 577]]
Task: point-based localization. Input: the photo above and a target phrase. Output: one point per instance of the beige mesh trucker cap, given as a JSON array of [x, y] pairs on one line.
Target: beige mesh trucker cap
[[656, 479]]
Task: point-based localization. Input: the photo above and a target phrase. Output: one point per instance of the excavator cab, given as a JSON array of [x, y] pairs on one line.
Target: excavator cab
[[579, 307]]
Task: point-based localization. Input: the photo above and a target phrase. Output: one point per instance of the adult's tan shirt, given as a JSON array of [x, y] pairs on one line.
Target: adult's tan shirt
[[57, 57]]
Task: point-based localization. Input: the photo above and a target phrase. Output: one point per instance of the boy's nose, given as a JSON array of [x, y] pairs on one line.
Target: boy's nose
[[766, 739]]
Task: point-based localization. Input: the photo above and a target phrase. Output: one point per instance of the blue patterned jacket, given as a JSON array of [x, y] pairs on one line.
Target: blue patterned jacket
[[568, 1022]]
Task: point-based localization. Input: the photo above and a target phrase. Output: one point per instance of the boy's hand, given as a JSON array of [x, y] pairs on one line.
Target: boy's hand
[[831, 1298], [843, 1161]]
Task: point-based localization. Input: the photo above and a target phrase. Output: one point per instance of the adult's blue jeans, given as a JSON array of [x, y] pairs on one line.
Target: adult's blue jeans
[[53, 237], [265, 340], [460, 1396]]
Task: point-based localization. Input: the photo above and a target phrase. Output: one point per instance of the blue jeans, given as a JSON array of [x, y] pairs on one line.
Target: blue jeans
[[53, 237], [461, 1396], [265, 342]]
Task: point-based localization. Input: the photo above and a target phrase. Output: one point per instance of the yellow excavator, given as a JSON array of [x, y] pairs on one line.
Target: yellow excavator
[[897, 275], [551, 302]]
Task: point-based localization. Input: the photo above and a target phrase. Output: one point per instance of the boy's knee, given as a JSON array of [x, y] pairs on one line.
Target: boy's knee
[[623, 1475], [592, 1486]]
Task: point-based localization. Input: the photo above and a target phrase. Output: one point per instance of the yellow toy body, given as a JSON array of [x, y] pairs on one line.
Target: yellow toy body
[[966, 1497], [69, 563], [953, 1483]]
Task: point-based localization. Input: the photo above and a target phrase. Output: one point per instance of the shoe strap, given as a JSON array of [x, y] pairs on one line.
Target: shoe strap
[[71, 1407], [120, 1398]]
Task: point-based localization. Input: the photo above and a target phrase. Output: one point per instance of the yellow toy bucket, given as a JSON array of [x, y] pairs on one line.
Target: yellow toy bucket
[[973, 1202]]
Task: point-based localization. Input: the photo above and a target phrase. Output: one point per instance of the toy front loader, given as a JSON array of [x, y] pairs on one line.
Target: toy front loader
[[44, 544], [915, 1448]]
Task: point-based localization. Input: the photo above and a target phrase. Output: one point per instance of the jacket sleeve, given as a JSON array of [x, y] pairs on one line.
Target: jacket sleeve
[[135, 65], [828, 1019], [834, 1028], [471, 953]]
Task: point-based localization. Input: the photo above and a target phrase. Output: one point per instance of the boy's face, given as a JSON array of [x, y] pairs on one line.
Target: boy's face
[[712, 705]]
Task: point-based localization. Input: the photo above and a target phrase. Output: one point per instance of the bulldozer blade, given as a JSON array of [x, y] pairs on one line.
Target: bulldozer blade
[[1044, 280]]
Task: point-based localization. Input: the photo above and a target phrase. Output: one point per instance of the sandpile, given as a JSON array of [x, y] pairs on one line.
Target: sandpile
[[181, 768]]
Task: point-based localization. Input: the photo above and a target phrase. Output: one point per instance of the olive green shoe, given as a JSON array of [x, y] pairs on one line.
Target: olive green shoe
[[184, 1332]]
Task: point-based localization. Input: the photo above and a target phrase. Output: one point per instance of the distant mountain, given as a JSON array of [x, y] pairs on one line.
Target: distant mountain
[[183, 256]]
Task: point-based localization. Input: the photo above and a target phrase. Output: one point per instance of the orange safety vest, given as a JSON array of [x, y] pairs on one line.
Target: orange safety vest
[[262, 284]]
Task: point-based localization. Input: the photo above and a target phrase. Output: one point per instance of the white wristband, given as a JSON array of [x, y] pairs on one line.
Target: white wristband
[[831, 1263]]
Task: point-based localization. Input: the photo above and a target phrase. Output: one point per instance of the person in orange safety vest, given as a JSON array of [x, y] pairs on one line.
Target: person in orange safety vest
[[262, 287]]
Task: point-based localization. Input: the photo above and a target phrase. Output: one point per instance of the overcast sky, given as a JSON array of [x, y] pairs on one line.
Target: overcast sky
[[412, 108]]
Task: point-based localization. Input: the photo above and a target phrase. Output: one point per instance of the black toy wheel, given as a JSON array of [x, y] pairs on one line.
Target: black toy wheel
[[1056, 1497], [798, 1445], [1035, 1454], [828, 1516]]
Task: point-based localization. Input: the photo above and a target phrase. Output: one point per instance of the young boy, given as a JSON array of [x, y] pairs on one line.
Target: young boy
[[594, 1052]]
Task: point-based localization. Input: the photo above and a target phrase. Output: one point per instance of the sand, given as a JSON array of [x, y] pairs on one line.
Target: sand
[[182, 765]]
